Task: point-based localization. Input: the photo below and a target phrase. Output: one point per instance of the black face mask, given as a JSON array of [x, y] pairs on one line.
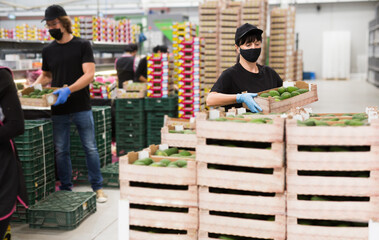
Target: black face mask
[[56, 33], [250, 55]]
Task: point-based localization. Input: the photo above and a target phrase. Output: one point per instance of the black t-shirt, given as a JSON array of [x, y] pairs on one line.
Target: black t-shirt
[[237, 79], [125, 69], [65, 61], [141, 69]]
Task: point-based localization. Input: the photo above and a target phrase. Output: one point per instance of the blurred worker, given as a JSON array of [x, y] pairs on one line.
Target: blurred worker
[[245, 75], [127, 64], [12, 184], [69, 61], [141, 73]]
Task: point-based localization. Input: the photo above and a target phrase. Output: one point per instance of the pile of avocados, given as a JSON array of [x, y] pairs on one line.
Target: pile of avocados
[[171, 152], [358, 119], [38, 93], [241, 119], [283, 93], [97, 85]]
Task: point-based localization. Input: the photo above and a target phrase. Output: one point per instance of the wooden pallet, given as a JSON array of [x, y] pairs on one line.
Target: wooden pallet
[[137, 235], [164, 219], [241, 227], [240, 131], [241, 180]]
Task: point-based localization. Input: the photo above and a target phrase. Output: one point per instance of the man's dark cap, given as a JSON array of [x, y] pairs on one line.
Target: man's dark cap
[[245, 29], [54, 11]]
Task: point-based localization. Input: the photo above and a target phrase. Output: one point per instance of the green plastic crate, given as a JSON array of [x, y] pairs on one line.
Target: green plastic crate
[[62, 210], [131, 104], [161, 104], [132, 117], [110, 175]]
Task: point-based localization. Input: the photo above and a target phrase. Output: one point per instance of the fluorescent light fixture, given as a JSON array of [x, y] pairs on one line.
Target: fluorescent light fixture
[[11, 16]]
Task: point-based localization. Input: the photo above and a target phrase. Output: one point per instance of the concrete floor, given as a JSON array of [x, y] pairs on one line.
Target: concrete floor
[[334, 96]]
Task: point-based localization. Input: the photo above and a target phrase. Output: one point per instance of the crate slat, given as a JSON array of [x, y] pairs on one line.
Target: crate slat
[[301, 232], [241, 203], [138, 235], [242, 227], [163, 197], [161, 219], [178, 139], [269, 158], [241, 180]]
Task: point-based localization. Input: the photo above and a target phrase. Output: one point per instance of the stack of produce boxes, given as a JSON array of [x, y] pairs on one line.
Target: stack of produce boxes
[[282, 42], [103, 135], [230, 20], [298, 69], [190, 73], [86, 28], [159, 81], [76, 27], [332, 176], [7, 33], [255, 12], [130, 125], [209, 28], [162, 192], [124, 31], [241, 177], [103, 88], [134, 33], [36, 153]]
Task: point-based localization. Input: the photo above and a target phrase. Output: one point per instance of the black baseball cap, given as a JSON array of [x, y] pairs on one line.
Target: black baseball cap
[[244, 29], [54, 11]]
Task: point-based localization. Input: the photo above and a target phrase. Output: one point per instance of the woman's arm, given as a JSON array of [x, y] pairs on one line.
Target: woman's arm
[[10, 104], [220, 99]]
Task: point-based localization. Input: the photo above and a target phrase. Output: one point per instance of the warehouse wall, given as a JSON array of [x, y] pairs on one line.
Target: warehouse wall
[[353, 17]]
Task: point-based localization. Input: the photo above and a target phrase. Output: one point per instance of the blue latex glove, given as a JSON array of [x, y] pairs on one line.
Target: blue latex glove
[[248, 99], [63, 94]]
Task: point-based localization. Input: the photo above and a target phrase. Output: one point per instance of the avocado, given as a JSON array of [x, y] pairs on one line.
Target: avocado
[[359, 116], [181, 163], [321, 123], [171, 151], [274, 93], [309, 122], [265, 95], [139, 162], [161, 153], [301, 91], [184, 153], [176, 155], [147, 161], [172, 165], [281, 90], [166, 162], [258, 121], [157, 164], [354, 123], [291, 89], [285, 95], [347, 115], [294, 93]]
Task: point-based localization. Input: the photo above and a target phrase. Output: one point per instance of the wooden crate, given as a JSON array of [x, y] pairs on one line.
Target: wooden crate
[[46, 101], [178, 139], [240, 131], [130, 173], [241, 227], [269, 105], [137, 235], [164, 219]]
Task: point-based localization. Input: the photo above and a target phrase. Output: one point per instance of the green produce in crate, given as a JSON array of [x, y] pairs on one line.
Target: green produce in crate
[[172, 165], [265, 95], [181, 163], [321, 123], [285, 95], [353, 123], [189, 132], [258, 121], [295, 93], [161, 153], [359, 116], [226, 238], [281, 90], [184, 153], [139, 162], [38, 93], [274, 93], [166, 162], [157, 164], [301, 91], [171, 151], [292, 89]]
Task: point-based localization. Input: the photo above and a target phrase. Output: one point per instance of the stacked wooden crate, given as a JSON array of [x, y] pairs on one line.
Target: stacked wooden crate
[[163, 201], [229, 21], [255, 12], [332, 181], [173, 137], [241, 187], [298, 69], [209, 14], [282, 42]]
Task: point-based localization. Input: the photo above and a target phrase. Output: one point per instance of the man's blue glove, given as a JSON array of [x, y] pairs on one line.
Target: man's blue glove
[[63, 94], [248, 99]]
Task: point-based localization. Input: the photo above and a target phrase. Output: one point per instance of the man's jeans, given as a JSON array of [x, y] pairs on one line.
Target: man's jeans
[[61, 129]]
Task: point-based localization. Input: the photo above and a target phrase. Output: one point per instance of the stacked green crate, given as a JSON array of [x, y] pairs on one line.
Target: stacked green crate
[[156, 109], [103, 134], [130, 125], [36, 153], [110, 175]]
